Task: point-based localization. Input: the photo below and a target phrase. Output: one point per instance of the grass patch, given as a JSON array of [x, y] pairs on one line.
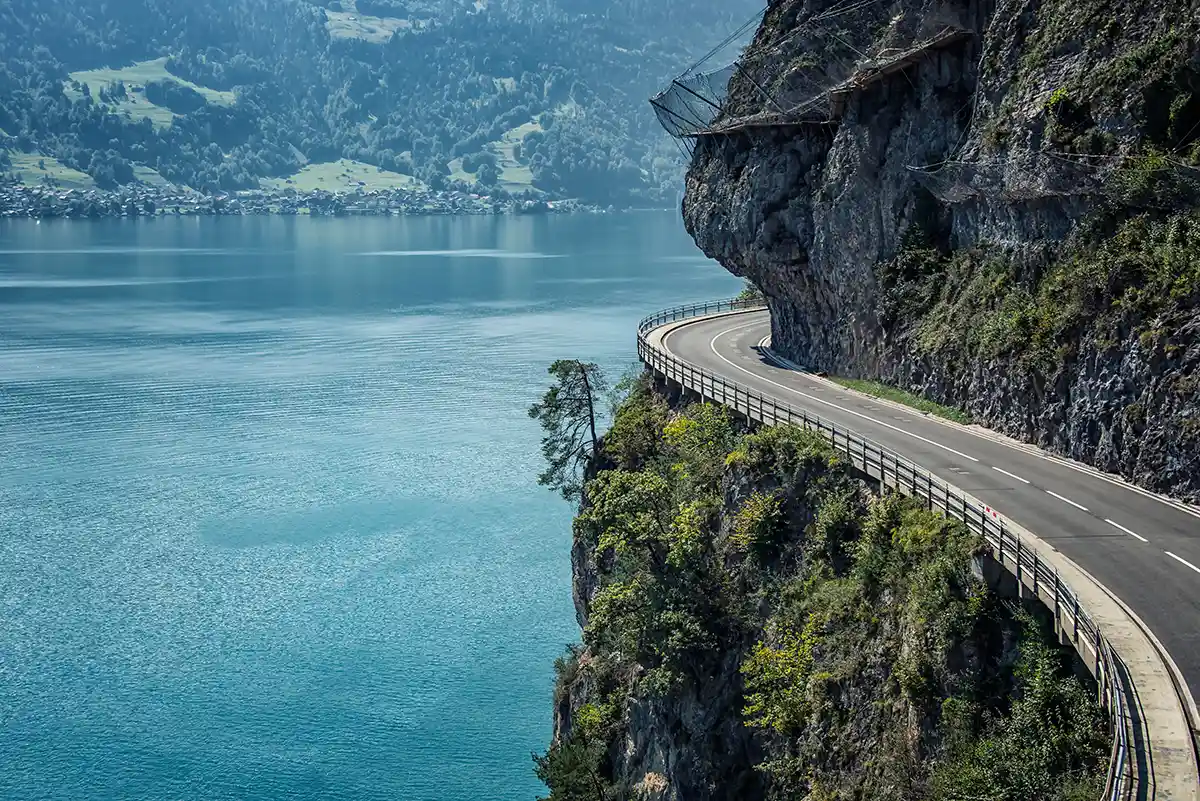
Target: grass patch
[[878, 390], [143, 72], [135, 77], [149, 176], [33, 168], [515, 173], [352, 25], [342, 175]]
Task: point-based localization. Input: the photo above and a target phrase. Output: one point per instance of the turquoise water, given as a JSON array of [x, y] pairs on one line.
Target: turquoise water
[[268, 519]]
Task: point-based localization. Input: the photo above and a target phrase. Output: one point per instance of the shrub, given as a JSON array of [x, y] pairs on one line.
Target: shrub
[[635, 438], [1045, 749], [699, 441], [777, 680], [757, 523]]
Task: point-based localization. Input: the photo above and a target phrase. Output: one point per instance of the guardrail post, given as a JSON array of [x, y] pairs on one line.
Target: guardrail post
[[1074, 618], [1020, 581], [1057, 619]]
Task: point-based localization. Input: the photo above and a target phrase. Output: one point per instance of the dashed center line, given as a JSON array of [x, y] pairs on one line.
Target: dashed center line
[[1182, 561], [1127, 531], [1067, 500], [1013, 475]]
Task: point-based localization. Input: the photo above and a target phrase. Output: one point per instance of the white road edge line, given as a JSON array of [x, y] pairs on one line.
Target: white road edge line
[[1182, 561], [1067, 500], [713, 347], [1010, 475], [1127, 531], [1030, 450]]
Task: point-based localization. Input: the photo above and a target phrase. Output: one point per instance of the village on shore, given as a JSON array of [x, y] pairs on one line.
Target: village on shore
[[142, 200]]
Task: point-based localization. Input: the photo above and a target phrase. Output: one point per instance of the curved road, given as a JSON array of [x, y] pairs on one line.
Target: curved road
[[1143, 547]]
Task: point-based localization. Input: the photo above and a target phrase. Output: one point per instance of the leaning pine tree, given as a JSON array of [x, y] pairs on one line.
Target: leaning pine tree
[[567, 413]]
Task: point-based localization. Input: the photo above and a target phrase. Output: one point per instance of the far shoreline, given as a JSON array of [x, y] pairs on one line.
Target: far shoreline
[[24, 201]]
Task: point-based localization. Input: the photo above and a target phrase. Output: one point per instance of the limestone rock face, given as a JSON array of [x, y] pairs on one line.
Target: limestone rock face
[[1034, 108]]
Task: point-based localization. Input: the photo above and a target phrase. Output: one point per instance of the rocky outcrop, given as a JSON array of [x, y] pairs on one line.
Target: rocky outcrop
[[1017, 151], [757, 624]]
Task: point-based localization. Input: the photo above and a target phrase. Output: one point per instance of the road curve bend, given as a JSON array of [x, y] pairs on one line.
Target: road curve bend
[[1142, 547]]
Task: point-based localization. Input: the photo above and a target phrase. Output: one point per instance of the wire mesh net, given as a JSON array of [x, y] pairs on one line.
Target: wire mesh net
[[804, 70], [809, 58], [1031, 176], [1009, 179], [692, 102]]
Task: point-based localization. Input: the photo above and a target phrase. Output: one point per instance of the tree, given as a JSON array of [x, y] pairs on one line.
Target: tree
[[750, 291], [487, 175], [571, 771], [567, 413]]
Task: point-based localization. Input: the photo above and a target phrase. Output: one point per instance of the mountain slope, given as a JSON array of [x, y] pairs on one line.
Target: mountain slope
[[407, 87]]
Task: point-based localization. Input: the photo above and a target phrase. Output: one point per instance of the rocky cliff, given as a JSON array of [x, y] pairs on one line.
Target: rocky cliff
[[757, 624], [993, 207]]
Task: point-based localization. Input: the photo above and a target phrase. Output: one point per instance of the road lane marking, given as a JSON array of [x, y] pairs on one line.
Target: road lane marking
[[1127, 531], [713, 347], [1010, 475], [1029, 450], [1067, 500], [1183, 561]]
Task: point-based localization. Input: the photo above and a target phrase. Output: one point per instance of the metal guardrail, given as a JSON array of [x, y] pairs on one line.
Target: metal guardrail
[[895, 472]]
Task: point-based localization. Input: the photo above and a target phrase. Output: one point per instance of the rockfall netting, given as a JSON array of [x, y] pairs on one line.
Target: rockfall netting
[[806, 71], [1145, 180]]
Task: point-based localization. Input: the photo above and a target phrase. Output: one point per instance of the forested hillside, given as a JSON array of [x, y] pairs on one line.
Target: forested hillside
[[521, 95]]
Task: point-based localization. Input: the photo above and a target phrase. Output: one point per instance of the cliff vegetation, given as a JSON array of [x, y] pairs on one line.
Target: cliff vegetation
[[757, 624]]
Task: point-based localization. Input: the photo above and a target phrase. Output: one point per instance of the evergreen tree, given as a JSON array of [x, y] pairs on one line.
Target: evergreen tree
[[567, 413]]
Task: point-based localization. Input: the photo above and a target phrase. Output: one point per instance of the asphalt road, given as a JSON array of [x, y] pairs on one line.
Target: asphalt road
[[1143, 547]]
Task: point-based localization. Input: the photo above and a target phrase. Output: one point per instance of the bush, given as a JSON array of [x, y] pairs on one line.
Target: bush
[[1045, 749], [777, 680], [635, 438], [1100, 286], [757, 523], [698, 441]]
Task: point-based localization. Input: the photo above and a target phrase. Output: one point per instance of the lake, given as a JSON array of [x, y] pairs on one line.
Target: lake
[[269, 523]]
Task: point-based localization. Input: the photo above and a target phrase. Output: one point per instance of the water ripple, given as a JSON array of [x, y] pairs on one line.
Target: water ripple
[[287, 543]]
